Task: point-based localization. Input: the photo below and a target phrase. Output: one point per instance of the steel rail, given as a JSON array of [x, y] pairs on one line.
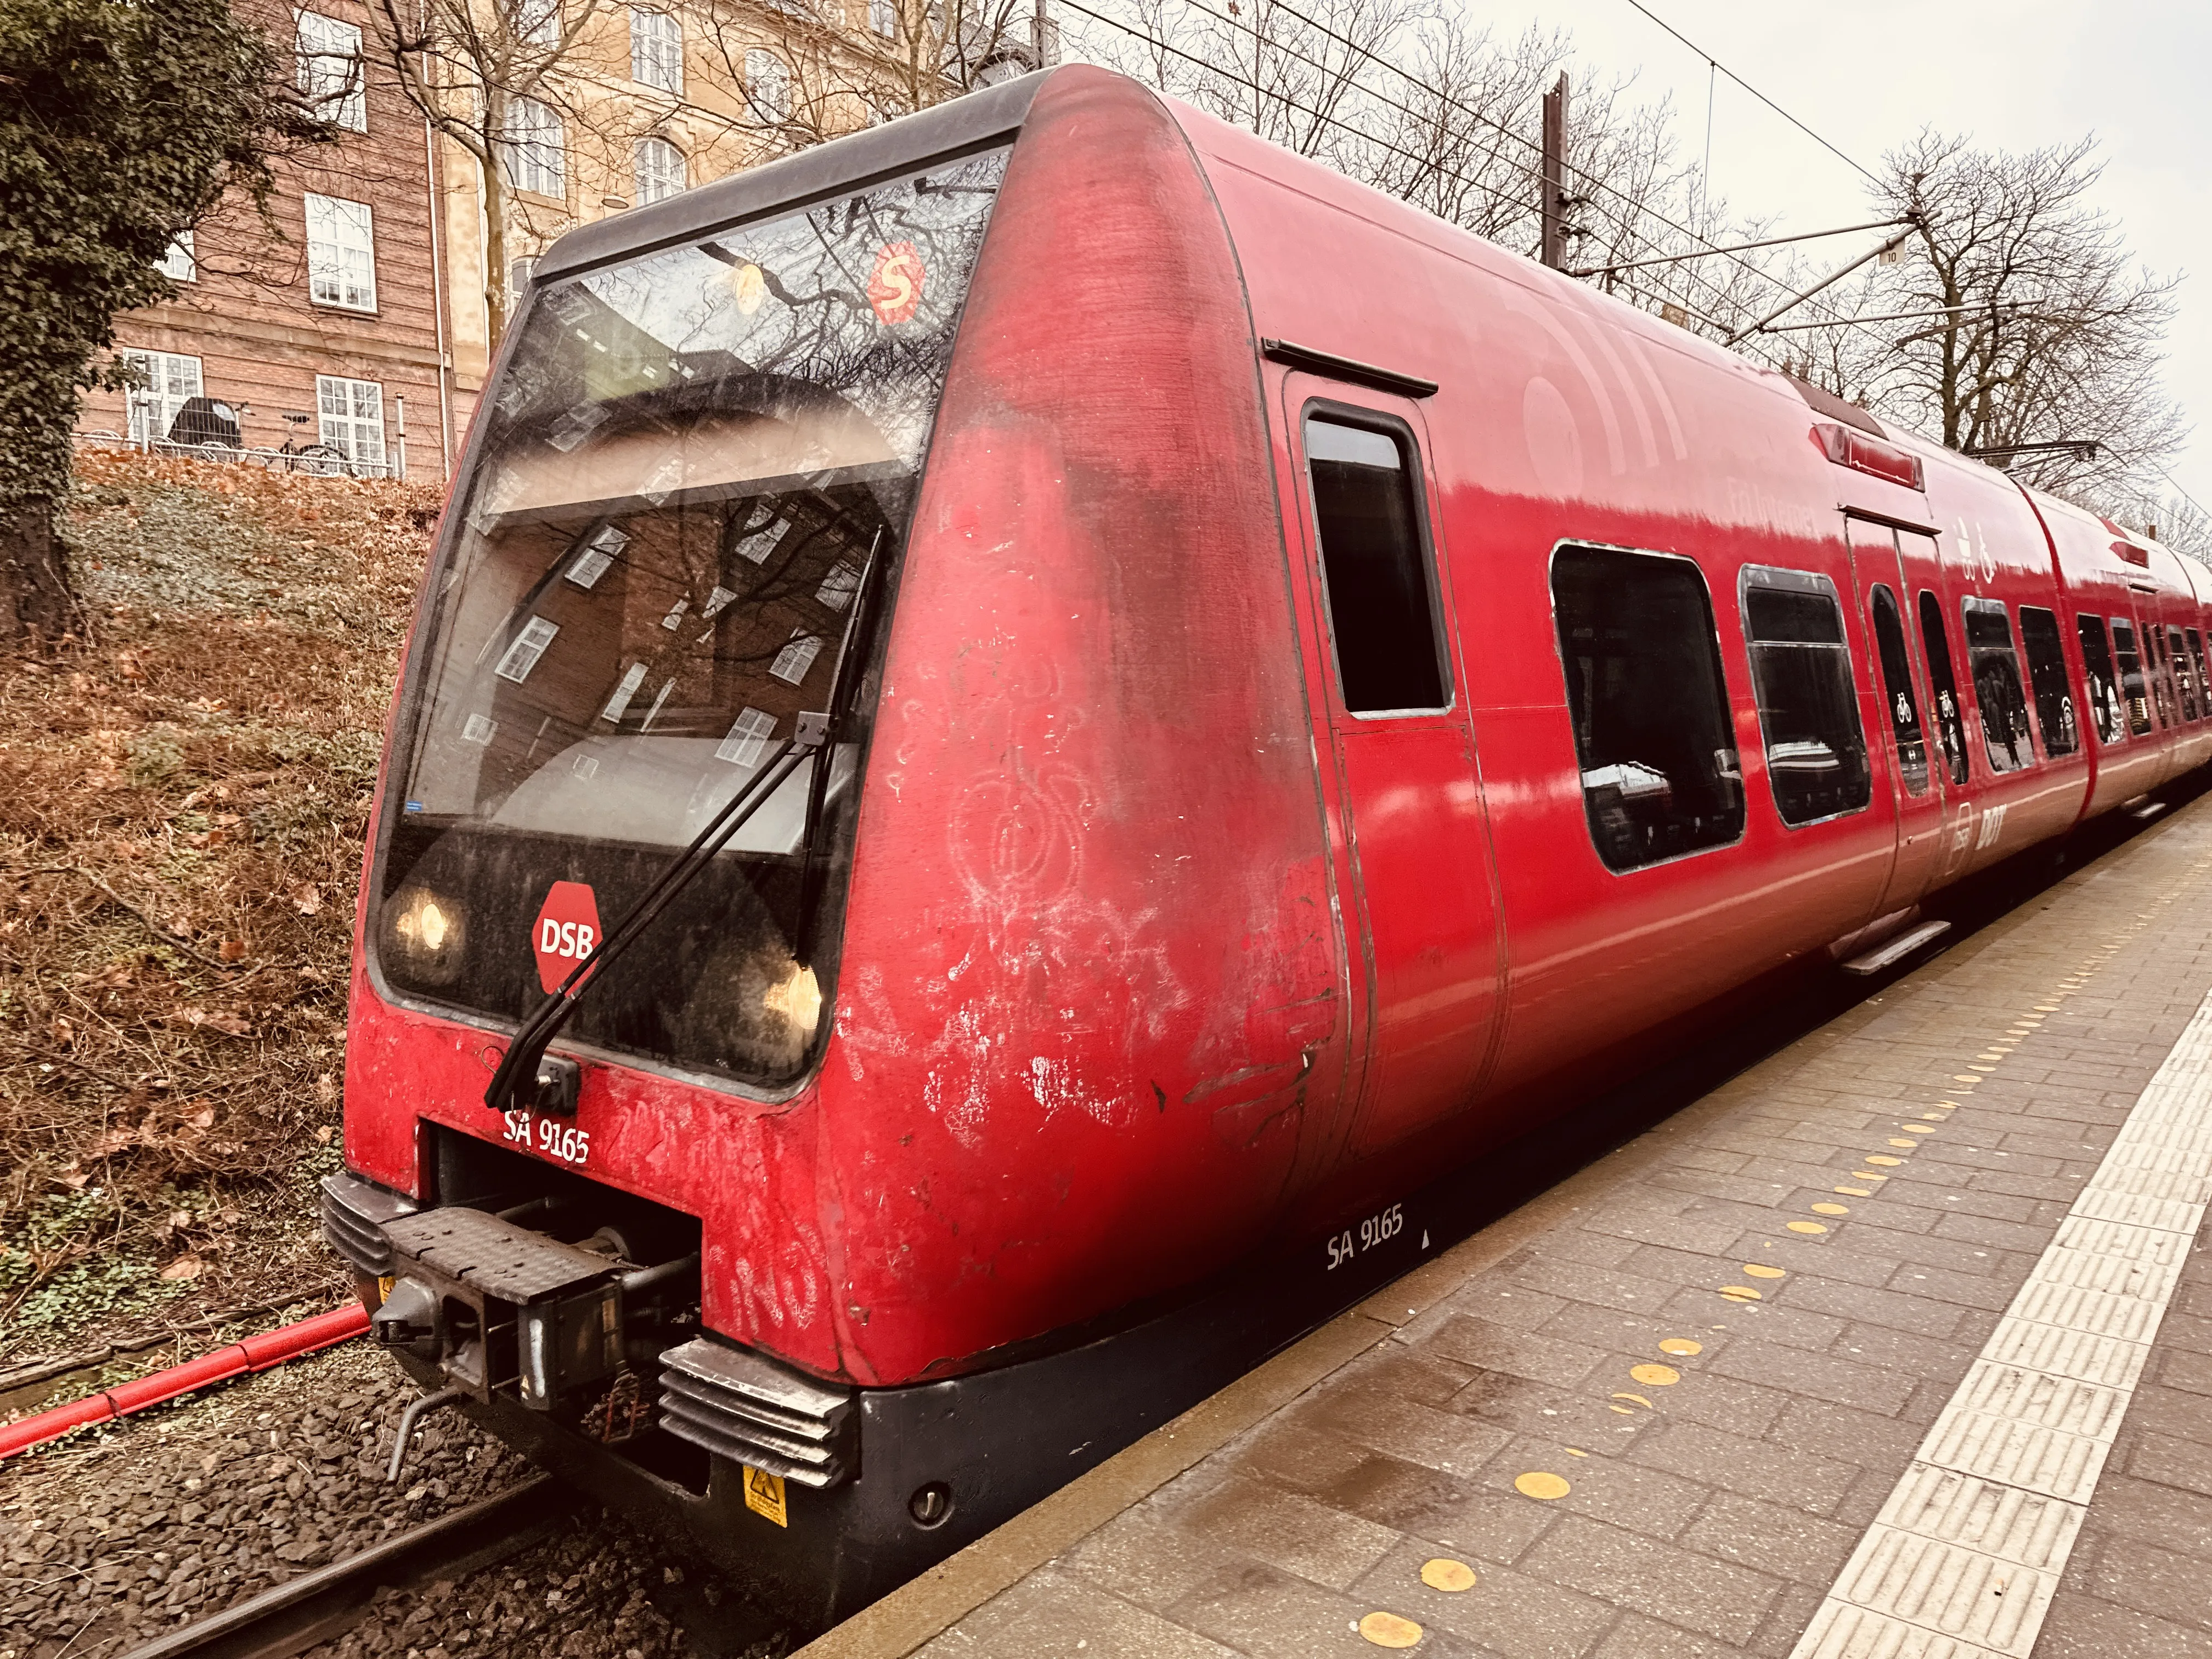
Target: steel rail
[[289, 1618]]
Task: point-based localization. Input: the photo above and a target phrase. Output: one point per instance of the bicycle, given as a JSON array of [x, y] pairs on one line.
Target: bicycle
[[318, 459]]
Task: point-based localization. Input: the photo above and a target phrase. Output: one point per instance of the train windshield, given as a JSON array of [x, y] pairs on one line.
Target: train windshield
[[691, 467]]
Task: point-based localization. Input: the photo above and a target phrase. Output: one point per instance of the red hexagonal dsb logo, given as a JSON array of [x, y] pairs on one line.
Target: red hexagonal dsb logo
[[567, 927]]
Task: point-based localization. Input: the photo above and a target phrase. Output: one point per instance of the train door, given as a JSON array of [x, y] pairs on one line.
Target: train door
[[1917, 768], [1409, 792], [1947, 709]]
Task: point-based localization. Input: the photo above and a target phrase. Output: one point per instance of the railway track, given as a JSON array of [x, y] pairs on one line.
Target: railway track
[[319, 1604]]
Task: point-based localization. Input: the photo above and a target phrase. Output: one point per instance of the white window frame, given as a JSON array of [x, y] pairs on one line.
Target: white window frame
[[536, 149], [341, 252], [656, 49], [661, 170], [537, 22], [181, 262], [332, 69], [767, 85], [350, 418], [884, 18], [172, 380]]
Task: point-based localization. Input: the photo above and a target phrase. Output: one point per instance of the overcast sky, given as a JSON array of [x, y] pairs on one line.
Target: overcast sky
[[1867, 73]]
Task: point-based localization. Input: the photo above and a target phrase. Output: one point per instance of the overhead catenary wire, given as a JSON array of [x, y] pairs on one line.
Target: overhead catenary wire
[[1714, 65]]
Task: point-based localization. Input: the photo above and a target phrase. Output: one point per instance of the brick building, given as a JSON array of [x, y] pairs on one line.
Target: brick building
[[339, 315]]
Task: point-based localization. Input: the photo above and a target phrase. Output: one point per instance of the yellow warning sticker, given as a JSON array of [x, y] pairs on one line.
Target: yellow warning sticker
[[384, 1288], [764, 1494]]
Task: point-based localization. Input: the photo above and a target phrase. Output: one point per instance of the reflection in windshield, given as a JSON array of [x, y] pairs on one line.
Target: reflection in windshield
[[689, 465]]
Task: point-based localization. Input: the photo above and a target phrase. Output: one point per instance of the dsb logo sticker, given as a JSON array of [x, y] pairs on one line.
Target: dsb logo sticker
[[567, 927]]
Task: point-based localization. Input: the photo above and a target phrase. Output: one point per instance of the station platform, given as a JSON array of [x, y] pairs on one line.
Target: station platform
[[1898, 1346]]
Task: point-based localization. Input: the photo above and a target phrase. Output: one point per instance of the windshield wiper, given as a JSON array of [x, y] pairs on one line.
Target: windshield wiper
[[553, 1080], [842, 685]]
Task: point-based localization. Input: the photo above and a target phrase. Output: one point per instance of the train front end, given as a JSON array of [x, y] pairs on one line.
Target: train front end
[[654, 611]]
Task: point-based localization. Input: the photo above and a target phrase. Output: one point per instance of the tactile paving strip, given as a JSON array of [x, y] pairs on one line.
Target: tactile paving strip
[[1965, 1556]]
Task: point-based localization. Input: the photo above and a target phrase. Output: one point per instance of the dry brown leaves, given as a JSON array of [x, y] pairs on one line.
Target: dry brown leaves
[[182, 796]]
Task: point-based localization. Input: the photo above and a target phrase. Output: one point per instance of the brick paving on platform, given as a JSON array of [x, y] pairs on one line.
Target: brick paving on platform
[[1711, 1374]]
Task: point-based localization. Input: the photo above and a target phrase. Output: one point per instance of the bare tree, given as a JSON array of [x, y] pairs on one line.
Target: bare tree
[[796, 76], [484, 74], [2022, 317]]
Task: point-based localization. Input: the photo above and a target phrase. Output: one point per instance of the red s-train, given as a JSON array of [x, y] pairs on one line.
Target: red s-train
[[1226, 698]]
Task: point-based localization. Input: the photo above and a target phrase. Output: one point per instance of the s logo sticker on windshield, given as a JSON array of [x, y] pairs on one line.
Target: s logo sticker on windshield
[[894, 285]]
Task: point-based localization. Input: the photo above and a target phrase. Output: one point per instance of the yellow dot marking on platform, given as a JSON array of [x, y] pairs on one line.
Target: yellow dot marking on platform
[[1985, 1068], [1538, 1483], [1387, 1630], [1916, 1129], [1576, 1451], [1883, 1158], [1966, 1077], [1831, 1209], [1934, 1117], [1639, 1400], [1856, 1192], [1623, 1410], [1898, 1140], [1680, 1345], [1740, 1293], [1655, 1377], [1865, 1174], [2046, 1007], [1806, 1227], [1763, 1270], [1445, 1574]]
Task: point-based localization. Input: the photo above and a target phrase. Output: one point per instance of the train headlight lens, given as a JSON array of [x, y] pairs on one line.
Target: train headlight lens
[[427, 933], [797, 997]]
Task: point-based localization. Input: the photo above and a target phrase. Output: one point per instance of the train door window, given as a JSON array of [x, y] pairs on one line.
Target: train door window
[[1808, 708], [2196, 662], [1995, 665], [2154, 662], [1943, 686], [1649, 704], [2104, 687], [2185, 676], [1896, 682], [2135, 690], [1374, 563], [2046, 675]]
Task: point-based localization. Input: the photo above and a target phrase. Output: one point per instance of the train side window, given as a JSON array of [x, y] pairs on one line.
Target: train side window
[[1943, 686], [1382, 604], [2104, 687], [2046, 674], [2134, 690], [1995, 665], [2185, 678], [1897, 681], [2154, 662], [1649, 705], [1809, 708], [2197, 661]]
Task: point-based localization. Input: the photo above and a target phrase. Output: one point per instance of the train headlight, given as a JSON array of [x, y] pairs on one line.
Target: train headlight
[[797, 997], [427, 933]]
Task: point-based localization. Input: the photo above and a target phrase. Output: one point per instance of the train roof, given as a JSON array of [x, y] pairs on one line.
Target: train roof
[[993, 115]]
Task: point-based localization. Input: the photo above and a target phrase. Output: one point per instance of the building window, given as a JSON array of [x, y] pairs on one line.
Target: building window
[[341, 253], [656, 50], [1897, 680], [536, 150], [352, 413], [2135, 690], [660, 170], [179, 264], [537, 22], [518, 278], [169, 381], [1943, 686], [1991, 660], [884, 18], [1375, 563], [768, 86], [2046, 672], [329, 69], [2104, 687], [1648, 703], [1808, 705]]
